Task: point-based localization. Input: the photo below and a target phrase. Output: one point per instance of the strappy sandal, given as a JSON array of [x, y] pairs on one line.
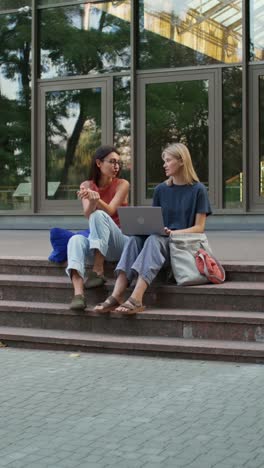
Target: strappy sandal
[[130, 307], [110, 304]]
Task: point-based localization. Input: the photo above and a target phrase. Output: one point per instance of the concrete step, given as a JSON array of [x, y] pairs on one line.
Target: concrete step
[[200, 324], [155, 346], [235, 271], [39, 266], [30, 266], [244, 296], [244, 271], [42, 288]]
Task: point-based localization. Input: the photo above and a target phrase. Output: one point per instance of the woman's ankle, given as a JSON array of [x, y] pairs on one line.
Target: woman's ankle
[[78, 292], [98, 271], [137, 298]]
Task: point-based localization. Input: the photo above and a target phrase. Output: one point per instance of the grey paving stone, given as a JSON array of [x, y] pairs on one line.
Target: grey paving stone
[[121, 411], [91, 465]]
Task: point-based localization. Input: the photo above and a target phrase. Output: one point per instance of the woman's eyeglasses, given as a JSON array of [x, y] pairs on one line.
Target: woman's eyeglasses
[[114, 162]]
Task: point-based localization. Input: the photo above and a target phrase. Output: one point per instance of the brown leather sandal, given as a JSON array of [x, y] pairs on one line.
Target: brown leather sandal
[[130, 307], [108, 305]]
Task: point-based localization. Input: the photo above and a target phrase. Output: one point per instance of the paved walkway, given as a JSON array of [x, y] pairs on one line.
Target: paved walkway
[[61, 410], [226, 245]]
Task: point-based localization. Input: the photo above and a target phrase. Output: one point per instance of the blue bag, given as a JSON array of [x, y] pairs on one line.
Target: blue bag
[[59, 239]]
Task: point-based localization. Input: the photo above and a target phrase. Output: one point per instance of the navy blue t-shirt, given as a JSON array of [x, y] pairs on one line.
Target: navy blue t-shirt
[[181, 203]]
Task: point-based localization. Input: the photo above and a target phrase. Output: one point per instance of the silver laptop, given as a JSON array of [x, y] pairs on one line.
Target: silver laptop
[[141, 220]]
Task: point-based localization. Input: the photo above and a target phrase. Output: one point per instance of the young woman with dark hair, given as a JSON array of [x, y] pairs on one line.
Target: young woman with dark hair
[[101, 195], [185, 206]]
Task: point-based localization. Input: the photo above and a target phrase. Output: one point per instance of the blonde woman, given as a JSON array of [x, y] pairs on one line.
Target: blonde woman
[[185, 206]]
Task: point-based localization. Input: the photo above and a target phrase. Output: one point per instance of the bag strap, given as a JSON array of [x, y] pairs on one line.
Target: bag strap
[[206, 272]]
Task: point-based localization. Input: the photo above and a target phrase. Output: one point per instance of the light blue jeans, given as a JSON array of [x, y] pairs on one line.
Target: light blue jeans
[[104, 236], [144, 256]]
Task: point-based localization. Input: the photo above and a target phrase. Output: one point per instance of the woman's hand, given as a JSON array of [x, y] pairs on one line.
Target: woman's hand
[[167, 231], [88, 194], [198, 226], [89, 198]]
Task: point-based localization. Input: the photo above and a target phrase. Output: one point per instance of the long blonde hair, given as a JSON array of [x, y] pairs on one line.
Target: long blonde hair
[[180, 151]]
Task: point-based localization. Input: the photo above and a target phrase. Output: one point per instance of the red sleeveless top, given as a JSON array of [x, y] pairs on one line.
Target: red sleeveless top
[[107, 194]]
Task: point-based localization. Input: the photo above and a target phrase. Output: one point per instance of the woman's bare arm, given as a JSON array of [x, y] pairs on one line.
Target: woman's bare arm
[[91, 199], [119, 199], [199, 226]]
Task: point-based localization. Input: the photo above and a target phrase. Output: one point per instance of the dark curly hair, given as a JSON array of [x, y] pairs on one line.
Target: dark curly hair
[[101, 154]]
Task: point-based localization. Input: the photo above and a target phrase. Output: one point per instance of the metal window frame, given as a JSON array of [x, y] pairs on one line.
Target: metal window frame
[[106, 84], [214, 128], [245, 106], [34, 109], [256, 201], [133, 102], [42, 205], [250, 167], [8, 11], [66, 3], [29, 211]]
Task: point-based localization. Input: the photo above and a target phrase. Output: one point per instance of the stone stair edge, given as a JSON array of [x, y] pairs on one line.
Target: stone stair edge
[[127, 343], [229, 265], [228, 287], [150, 313]]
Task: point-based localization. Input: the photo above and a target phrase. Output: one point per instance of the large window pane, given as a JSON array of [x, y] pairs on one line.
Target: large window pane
[[261, 133], [190, 32], [176, 112], [257, 30], [232, 137], [54, 2], [89, 38], [15, 158], [122, 121], [12, 5], [73, 121]]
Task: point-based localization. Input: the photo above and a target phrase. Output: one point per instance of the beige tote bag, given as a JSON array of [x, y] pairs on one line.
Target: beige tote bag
[[183, 248]]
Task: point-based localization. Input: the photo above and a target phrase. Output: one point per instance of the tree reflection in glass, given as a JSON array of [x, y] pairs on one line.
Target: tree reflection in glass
[[122, 120], [73, 133], [261, 133], [256, 30], [232, 137], [90, 38], [176, 112], [15, 75], [12, 5]]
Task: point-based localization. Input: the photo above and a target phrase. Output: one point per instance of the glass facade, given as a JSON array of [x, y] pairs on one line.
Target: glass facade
[[261, 135], [256, 30], [176, 112], [232, 137], [122, 122], [15, 115], [73, 132], [88, 76], [188, 33], [89, 38], [14, 4]]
